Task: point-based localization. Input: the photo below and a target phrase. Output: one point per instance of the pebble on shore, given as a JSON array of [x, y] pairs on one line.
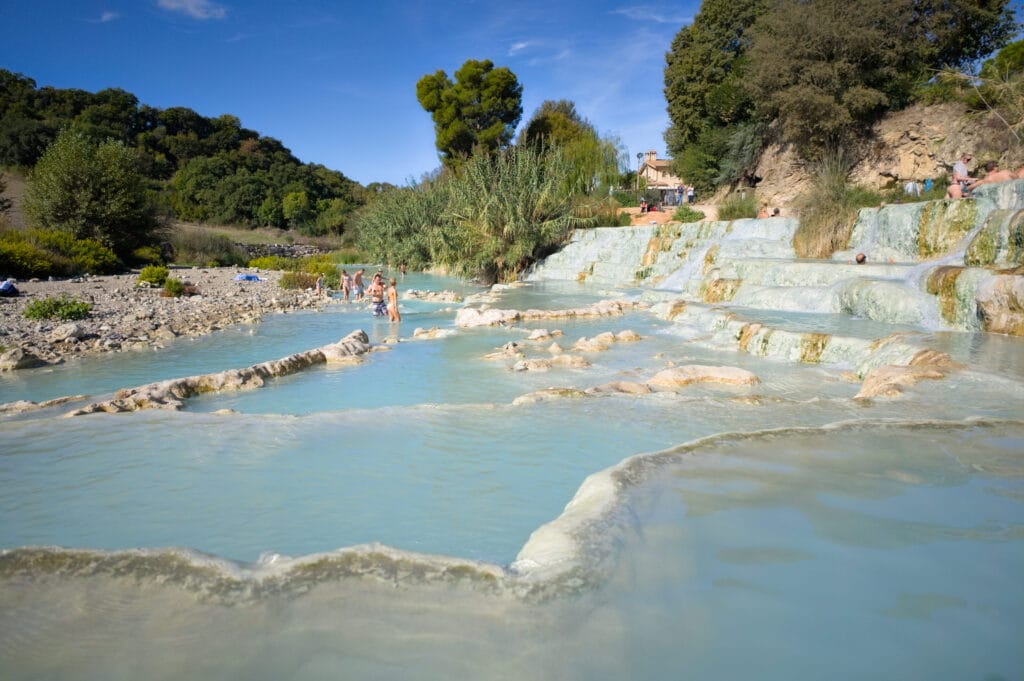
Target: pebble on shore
[[126, 316]]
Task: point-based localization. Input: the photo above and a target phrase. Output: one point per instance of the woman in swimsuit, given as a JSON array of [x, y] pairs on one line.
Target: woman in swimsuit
[[393, 315]]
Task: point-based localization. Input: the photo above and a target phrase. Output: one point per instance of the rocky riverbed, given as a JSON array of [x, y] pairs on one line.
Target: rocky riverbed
[[126, 316]]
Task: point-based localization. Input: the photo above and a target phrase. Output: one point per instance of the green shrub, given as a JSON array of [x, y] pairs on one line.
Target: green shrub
[[321, 264], [149, 255], [738, 206], [86, 255], [58, 308], [173, 288], [686, 214], [24, 260], [154, 274], [626, 199], [271, 262], [297, 280]]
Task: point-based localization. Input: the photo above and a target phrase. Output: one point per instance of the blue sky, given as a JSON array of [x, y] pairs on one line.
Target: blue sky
[[336, 81]]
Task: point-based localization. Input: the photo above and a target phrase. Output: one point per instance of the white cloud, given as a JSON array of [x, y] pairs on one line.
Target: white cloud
[[109, 16], [518, 47], [539, 52], [655, 14], [197, 9]]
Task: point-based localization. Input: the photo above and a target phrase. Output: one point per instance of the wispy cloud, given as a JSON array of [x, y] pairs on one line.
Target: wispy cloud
[[655, 14], [518, 47], [538, 52], [197, 9], [105, 17]]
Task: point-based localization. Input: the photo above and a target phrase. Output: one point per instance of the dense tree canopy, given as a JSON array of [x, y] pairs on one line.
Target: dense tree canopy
[[826, 69], [479, 110], [209, 169], [91, 192], [823, 69]]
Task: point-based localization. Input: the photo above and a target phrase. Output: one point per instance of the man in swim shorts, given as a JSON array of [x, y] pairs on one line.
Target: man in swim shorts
[[376, 291], [357, 284]]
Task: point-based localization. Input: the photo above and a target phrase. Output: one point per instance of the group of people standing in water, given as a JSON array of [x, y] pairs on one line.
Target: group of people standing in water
[[383, 300]]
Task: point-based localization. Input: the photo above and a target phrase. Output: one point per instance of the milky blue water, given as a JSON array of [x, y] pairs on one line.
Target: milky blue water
[[890, 546]]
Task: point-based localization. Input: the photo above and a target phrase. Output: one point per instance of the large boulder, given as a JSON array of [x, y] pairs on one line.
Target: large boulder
[[1001, 304], [17, 358]]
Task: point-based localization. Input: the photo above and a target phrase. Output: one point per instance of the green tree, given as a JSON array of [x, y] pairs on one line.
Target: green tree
[[596, 160], [827, 69], [296, 208], [91, 191], [479, 110], [704, 70], [708, 102]]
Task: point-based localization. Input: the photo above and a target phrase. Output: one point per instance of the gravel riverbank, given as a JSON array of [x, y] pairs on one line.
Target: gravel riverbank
[[127, 317]]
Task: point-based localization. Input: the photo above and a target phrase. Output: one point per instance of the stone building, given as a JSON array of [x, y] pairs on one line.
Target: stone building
[[657, 174]]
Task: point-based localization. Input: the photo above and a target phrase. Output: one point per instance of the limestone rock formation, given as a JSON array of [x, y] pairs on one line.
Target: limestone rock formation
[[890, 380], [469, 317], [1001, 304], [170, 394], [677, 377]]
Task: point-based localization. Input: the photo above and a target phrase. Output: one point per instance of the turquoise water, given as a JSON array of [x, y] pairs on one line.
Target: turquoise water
[[217, 542]]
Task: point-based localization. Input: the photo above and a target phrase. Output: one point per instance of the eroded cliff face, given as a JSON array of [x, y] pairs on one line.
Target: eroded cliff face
[[916, 143]]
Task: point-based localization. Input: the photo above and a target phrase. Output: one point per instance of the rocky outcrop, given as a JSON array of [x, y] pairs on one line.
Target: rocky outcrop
[[918, 142], [1001, 304], [170, 394]]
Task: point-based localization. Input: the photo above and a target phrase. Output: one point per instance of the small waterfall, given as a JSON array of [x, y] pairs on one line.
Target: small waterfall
[[925, 261]]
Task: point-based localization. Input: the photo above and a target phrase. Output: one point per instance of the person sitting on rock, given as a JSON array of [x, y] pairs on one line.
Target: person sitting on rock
[[958, 186], [992, 175]]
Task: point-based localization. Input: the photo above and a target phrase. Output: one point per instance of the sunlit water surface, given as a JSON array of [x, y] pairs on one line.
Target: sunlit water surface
[[888, 546]]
